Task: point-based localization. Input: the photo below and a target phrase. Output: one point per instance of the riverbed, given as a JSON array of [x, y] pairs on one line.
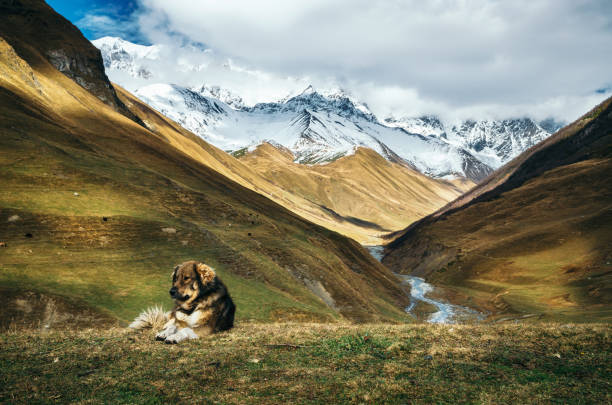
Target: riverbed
[[419, 289]]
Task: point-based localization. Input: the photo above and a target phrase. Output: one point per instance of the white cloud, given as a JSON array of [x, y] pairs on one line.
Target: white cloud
[[99, 23], [107, 21], [478, 57]]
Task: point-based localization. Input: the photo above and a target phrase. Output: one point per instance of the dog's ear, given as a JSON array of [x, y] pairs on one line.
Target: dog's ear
[[173, 275], [206, 273]]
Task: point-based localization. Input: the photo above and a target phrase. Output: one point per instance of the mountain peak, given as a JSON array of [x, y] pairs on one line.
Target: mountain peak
[[220, 93], [308, 91], [108, 40]]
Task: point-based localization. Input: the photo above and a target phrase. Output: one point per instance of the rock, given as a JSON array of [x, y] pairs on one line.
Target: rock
[[428, 357], [169, 230]]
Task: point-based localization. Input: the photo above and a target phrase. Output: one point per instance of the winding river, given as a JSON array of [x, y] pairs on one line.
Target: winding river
[[419, 288]]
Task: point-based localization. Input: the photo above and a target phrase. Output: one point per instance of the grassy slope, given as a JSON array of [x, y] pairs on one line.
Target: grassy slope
[[533, 238], [524, 363], [363, 187], [366, 194], [58, 139]]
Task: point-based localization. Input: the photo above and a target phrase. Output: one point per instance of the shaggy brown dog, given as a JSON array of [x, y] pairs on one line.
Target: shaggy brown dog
[[203, 304]]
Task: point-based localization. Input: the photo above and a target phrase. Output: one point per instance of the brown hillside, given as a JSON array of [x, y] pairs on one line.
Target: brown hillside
[[346, 196], [95, 208], [363, 191], [535, 237]]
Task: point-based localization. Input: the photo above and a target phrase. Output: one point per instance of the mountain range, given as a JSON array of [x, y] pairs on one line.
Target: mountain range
[[321, 126]]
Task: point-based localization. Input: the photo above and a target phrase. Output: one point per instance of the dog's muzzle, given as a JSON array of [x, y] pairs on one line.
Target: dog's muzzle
[[175, 294]]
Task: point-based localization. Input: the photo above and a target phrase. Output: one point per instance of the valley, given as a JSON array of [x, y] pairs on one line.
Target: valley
[[426, 242], [531, 239], [97, 208]]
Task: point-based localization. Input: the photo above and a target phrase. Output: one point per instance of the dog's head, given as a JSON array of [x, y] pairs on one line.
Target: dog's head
[[190, 281]]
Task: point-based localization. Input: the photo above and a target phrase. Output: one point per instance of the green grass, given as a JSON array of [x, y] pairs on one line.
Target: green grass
[[121, 277], [314, 363]]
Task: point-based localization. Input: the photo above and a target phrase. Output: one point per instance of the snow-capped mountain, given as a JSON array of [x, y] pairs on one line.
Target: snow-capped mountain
[[319, 126], [497, 142], [493, 142], [124, 56], [428, 125], [221, 94], [316, 128]]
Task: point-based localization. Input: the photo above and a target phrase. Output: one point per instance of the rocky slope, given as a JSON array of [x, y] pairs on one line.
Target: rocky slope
[[33, 28], [533, 238]]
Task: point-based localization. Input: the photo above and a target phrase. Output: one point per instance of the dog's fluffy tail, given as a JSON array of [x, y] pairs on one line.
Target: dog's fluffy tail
[[152, 317]]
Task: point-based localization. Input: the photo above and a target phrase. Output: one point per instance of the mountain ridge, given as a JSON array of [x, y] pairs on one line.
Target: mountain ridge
[[332, 124]]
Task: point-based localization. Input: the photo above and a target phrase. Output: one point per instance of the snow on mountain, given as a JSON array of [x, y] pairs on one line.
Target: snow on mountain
[[497, 142], [320, 126], [316, 128], [125, 56], [492, 142], [426, 125], [221, 94]]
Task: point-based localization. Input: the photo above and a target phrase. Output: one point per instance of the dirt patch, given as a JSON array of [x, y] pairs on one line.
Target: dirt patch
[[34, 310], [317, 288], [560, 301]]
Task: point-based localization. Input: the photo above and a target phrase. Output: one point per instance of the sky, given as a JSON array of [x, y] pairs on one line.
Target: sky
[[455, 58]]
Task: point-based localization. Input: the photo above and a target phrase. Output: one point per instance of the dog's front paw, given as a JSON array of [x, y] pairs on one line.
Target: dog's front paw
[[183, 334], [172, 340], [163, 335]]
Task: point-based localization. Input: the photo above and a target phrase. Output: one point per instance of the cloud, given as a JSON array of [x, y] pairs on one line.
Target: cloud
[[115, 18], [444, 56], [99, 24]]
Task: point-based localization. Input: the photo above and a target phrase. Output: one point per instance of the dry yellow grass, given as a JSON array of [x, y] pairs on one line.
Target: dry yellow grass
[[369, 195], [314, 363]]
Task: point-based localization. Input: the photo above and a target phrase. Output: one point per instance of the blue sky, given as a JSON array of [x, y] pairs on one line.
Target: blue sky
[[98, 18]]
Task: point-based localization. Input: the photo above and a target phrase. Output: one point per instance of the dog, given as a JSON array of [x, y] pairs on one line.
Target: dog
[[203, 305]]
